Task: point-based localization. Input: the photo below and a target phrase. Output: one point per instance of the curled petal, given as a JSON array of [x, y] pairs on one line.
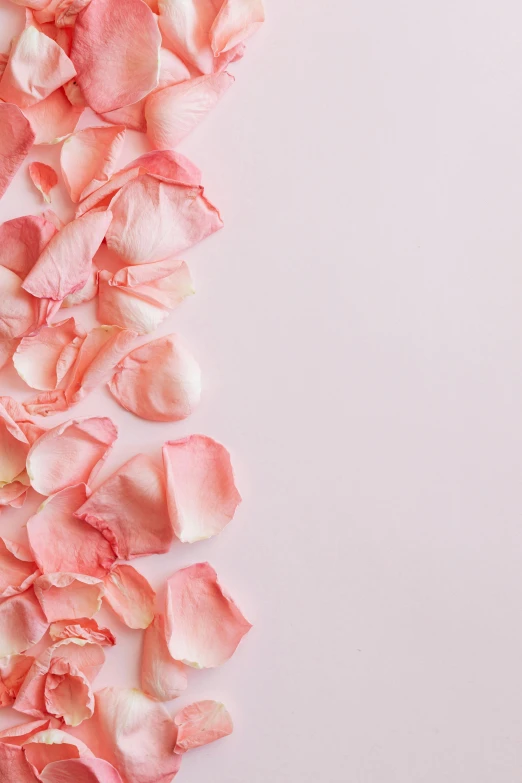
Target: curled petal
[[203, 624], [236, 21], [37, 358], [69, 596], [168, 164], [201, 723], [44, 179], [23, 240], [16, 139], [82, 628], [22, 623], [13, 670], [16, 575], [130, 596], [14, 766], [186, 29], [102, 197], [14, 447], [162, 677], [47, 403], [88, 159], [52, 745], [132, 117], [19, 735], [80, 771], [53, 118]]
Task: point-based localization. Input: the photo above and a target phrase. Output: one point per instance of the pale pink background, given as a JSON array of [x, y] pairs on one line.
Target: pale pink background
[[359, 326]]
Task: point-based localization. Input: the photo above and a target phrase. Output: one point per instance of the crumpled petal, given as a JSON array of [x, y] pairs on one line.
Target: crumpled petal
[[81, 628], [141, 297], [130, 596], [237, 20], [37, 67], [202, 495], [168, 164], [80, 771], [116, 53], [203, 624], [71, 453], [14, 766], [61, 543], [155, 219], [69, 596], [19, 735], [88, 159], [201, 723], [16, 139], [172, 113], [13, 670], [16, 575], [22, 623], [162, 677], [84, 294], [37, 358], [54, 276], [53, 745], [18, 309], [44, 179], [23, 240], [159, 381], [67, 11], [53, 118]]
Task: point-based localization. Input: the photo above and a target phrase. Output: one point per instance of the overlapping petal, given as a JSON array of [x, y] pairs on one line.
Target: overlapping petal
[[81, 628], [162, 677], [186, 29], [14, 766], [130, 596], [80, 771], [84, 294], [41, 359], [52, 119], [51, 745], [69, 596], [16, 139], [22, 623], [88, 159], [168, 164], [44, 178], [16, 574], [236, 21], [13, 670], [22, 241], [18, 309], [201, 723]]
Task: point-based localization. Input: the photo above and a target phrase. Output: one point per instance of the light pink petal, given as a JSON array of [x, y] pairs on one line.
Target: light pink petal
[[74, 94], [22, 623], [62, 543], [203, 624], [141, 297], [132, 117], [202, 495], [237, 20], [172, 69], [54, 118], [88, 159], [16, 139], [84, 294], [201, 723], [69, 596], [54, 276], [14, 767], [116, 53], [7, 348], [16, 575], [69, 454], [53, 745], [67, 11], [19, 735], [44, 179], [172, 113], [168, 164], [159, 381], [47, 403], [82, 628], [80, 771], [103, 196], [23, 240], [17, 421], [68, 695], [37, 67], [13, 670], [18, 312], [37, 358], [13, 494], [155, 219], [4, 58], [130, 596], [186, 28], [14, 447], [162, 677]]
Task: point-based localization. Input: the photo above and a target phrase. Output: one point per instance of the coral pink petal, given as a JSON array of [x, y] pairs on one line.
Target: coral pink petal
[[16, 575], [67, 11], [237, 20], [203, 624], [37, 358], [154, 219], [186, 30], [44, 179], [132, 117], [14, 767], [54, 276], [19, 735], [7, 348], [53, 745], [16, 139], [85, 294], [159, 381], [13, 670], [47, 403], [172, 113], [69, 596], [61, 543], [82, 628], [103, 195], [88, 159], [168, 164], [162, 677], [22, 623], [22, 241], [18, 309], [130, 596], [201, 723], [37, 67], [54, 118], [116, 53], [80, 771]]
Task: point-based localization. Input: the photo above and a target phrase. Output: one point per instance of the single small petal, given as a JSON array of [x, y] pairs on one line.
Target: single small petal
[[69, 596], [159, 381], [82, 628], [85, 294], [116, 53], [53, 118], [14, 767], [23, 240], [37, 358], [53, 745], [201, 723], [203, 624], [202, 495], [22, 623], [16, 575], [168, 164], [44, 179], [71, 453], [62, 543], [16, 139], [162, 677], [88, 159], [18, 312], [172, 113], [130, 596], [80, 771], [13, 670], [236, 21]]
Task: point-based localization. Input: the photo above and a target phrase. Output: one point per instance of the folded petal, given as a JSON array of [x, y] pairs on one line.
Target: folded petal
[[14, 767], [23, 240], [159, 381], [132, 117], [16, 139], [116, 53], [54, 745], [44, 179], [130, 596], [54, 276], [62, 543], [236, 21], [37, 67], [81, 628], [80, 771], [168, 164], [186, 30], [37, 358], [88, 159], [67, 11], [69, 596], [203, 624], [162, 677], [18, 309], [84, 294], [47, 403], [172, 113], [53, 119], [16, 575], [19, 735], [103, 196], [154, 219], [14, 447], [201, 723], [13, 670], [22, 623], [202, 495]]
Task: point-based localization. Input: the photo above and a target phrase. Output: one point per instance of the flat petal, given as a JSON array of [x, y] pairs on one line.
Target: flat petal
[[16, 139], [22, 623], [132, 117], [116, 53], [53, 118], [37, 67], [155, 219], [186, 29], [168, 164], [69, 596], [44, 179], [37, 358], [202, 495], [130, 596], [237, 20], [14, 767], [16, 575], [159, 381], [85, 294], [13, 670], [62, 543], [203, 624], [201, 723], [172, 113], [53, 276], [80, 771], [18, 311], [81, 628], [88, 159], [162, 677], [23, 240]]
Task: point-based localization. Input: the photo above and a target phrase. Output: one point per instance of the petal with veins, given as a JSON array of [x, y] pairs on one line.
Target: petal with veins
[[88, 159], [162, 677], [14, 767], [22, 623], [84, 294], [236, 21], [80, 771], [201, 723], [130, 596], [81, 628], [168, 164], [44, 178], [37, 358], [186, 29], [71, 596], [53, 118], [16, 139], [23, 240]]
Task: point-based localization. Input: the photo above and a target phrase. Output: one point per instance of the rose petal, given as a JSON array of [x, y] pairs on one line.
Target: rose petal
[[71, 596], [81, 628], [17, 421], [168, 164], [201, 723], [14, 446], [172, 113], [47, 403], [62, 543], [54, 118], [116, 53], [130, 596], [7, 348], [14, 767], [237, 20], [16, 139], [16, 575], [159, 381], [103, 196], [155, 219], [88, 159], [186, 30], [44, 179], [132, 117], [22, 623], [53, 745], [202, 495], [84, 294], [18, 309], [37, 358], [13, 670], [23, 240], [203, 624], [19, 735], [162, 677], [67, 11], [80, 771]]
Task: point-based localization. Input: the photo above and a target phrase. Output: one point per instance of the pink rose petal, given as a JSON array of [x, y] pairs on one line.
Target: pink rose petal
[[44, 179], [186, 30], [18, 309], [131, 117], [237, 20], [53, 118], [116, 53], [14, 446], [80, 771], [202, 495], [201, 723], [13, 670], [88, 159], [84, 294], [130, 596], [22, 623], [47, 403], [203, 624], [19, 735], [16, 139], [162, 677], [159, 381], [52, 745], [168, 164], [14, 767], [69, 596], [67, 11], [23, 240], [103, 196], [16, 575], [37, 358], [81, 628]]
